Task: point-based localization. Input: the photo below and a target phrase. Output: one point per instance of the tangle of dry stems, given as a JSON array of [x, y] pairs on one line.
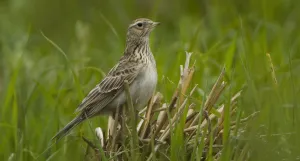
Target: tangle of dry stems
[[154, 128]]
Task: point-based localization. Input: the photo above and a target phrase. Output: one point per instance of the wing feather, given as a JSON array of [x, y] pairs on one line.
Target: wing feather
[[110, 86]]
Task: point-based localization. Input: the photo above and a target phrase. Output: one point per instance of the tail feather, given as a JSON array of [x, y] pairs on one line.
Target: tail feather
[[63, 132]]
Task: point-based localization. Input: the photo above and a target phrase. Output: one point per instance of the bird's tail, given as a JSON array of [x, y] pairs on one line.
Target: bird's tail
[[63, 132]]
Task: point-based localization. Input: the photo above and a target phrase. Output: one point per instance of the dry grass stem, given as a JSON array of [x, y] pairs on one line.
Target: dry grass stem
[[272, 69]]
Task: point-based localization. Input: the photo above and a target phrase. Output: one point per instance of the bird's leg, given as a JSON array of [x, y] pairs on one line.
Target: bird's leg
[[114, 131], [123, 121]]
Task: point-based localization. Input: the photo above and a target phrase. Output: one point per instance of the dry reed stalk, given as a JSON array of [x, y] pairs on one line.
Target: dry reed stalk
[[212, 97], [152, 105]]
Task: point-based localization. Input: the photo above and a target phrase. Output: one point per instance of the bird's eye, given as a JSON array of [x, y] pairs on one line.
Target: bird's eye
[[140, 24]]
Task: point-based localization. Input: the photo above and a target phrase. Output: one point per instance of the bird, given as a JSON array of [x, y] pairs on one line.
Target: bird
[[137, 66]]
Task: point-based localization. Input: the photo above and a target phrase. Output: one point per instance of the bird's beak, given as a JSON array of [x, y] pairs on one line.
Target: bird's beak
[[155, 24]]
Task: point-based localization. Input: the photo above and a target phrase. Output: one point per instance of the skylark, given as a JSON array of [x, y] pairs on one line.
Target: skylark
[[137, 66]]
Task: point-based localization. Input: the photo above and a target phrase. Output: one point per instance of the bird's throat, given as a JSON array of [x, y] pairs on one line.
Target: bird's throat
[[138, 47]]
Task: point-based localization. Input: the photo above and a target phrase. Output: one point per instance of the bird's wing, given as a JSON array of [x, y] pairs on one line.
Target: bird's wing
[[111, 85]]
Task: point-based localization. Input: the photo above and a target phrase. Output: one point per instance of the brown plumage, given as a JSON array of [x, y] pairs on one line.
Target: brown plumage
[[137, 66]]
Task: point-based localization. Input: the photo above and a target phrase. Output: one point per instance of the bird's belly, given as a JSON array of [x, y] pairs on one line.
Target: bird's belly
[[143, 87], [141, 90]]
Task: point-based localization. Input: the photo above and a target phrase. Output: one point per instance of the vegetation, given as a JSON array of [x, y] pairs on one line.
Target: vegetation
[[53, 52]]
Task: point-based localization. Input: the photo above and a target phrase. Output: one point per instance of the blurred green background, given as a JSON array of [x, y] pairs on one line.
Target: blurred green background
[[40, 87]]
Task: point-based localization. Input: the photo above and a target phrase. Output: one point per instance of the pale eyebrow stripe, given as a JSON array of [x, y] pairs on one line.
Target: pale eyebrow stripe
[[136, 23]]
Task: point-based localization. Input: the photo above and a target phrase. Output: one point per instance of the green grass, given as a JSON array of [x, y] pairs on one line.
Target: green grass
[[44, 77]]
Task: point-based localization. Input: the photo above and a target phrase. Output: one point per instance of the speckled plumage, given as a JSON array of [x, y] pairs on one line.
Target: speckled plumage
[[137, 66]]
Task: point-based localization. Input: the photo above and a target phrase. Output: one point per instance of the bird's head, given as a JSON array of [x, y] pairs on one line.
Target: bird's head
[[140, 29]]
